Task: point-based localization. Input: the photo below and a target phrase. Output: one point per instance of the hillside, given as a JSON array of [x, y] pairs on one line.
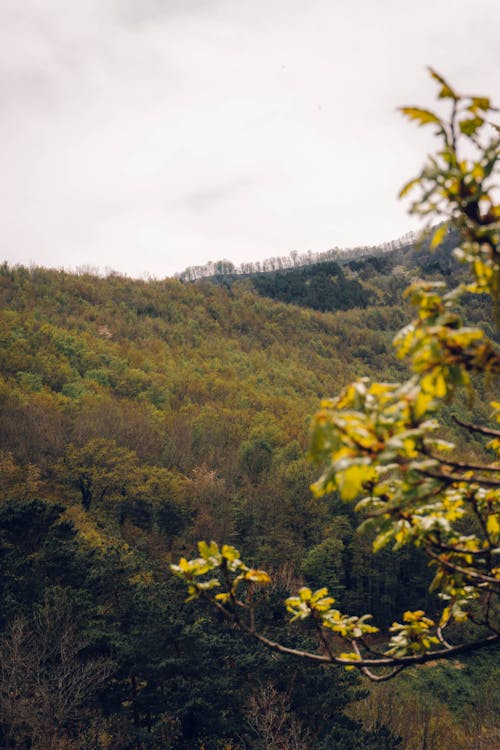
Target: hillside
[[138, 417], [172, 349], [350, 279]]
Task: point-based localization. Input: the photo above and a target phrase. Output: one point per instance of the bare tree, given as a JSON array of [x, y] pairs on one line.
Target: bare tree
[[46, 682], [268, 714]]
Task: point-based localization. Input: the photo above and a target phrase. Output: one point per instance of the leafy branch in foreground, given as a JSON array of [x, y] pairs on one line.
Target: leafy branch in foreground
[[379, 443]]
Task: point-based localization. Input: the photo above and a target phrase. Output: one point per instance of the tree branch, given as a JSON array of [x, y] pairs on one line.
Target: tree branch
[[477, 428], [365, 665], [450, 478], [471, 575], [461, 464]]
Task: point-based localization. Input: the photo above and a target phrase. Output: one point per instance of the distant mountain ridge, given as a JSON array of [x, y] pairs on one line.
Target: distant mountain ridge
[[351, 279], [293, 260]]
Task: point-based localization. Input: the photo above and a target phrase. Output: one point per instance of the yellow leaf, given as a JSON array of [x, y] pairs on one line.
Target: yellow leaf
[[480, 102], [257, 576], [493, 525], [445, 616], [440, 387], [434, 384], [478, 172], [421, 405], [208, 550], [422, 116], [320, 594], [400, 535], [439, 236], [470, 125], [410, 616], [230, 553], [408, 186], [350, 656], [494, 445], [305, 594], [409, 446], [350, 481], [446, 91], [184, 565]]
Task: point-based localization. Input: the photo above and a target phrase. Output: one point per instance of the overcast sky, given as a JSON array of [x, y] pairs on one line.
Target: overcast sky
[[149, 135]]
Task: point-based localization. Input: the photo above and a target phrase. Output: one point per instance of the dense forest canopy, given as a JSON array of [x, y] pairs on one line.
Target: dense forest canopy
[[140, 416], [136, 418]]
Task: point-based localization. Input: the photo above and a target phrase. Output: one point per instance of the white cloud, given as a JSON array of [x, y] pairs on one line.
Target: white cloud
[[148, 136]]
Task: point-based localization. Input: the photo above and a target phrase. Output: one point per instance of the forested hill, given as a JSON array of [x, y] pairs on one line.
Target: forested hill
[[171, 363], [136, 418], [349, 280], [293, 260]]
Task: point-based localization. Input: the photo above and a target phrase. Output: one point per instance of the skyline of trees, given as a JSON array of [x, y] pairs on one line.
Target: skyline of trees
[[293, 260]]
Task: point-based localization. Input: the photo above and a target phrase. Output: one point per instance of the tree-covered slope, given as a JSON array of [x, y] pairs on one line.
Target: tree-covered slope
[[137, 417], [351, 280], [73, 342]]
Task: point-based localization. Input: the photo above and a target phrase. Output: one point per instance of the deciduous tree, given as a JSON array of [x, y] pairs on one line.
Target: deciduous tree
[[381, 443]]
